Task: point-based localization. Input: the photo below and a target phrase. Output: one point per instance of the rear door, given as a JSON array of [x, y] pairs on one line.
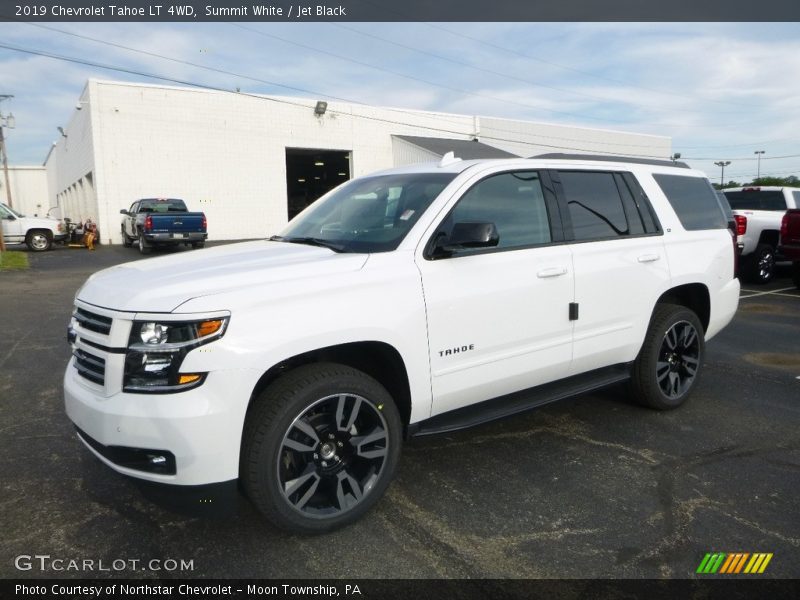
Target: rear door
[[619, 260], [498, 318]]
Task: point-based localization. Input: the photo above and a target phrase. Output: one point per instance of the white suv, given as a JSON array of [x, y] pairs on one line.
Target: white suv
[[411, 302]]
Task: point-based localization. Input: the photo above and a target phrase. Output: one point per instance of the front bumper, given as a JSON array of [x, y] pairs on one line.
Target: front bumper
[[198, 431]]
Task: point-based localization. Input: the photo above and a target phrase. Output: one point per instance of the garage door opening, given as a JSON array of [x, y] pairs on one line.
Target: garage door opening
[[312, 173]]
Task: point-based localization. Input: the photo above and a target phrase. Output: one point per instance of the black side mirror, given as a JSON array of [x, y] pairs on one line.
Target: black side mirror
[[467, 235], [123, 212]]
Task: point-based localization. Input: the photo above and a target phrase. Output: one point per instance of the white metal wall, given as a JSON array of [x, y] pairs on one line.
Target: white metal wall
[[223, 152], [532, 139], [29, 193]]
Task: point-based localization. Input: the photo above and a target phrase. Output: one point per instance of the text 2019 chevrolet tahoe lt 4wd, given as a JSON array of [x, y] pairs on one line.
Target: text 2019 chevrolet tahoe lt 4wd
[[413, 301]]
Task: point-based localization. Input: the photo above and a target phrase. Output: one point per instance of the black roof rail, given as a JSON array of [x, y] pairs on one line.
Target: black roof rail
[[606, 158]]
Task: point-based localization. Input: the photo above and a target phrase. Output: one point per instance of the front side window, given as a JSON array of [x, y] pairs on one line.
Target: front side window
[[514, 202], [7, 212], [372, 214]]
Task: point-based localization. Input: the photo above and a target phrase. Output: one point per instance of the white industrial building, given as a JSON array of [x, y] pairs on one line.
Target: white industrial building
[[29, 190], [250, 161]]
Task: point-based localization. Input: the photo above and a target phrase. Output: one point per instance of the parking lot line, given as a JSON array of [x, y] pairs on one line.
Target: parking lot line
[[754, 293]]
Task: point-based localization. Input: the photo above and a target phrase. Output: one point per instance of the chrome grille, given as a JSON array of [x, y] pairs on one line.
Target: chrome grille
[[90, 367], [92, 321]]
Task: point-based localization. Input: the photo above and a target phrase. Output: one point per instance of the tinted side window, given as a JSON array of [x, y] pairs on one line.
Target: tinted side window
[[514, 202], [694, 201], [796, 199], [595, 205]]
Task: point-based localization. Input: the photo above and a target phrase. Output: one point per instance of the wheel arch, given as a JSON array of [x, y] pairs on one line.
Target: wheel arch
[[694, 296], [379, 360], [769, 237]]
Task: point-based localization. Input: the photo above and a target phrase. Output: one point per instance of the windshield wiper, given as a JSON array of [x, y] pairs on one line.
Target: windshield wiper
[[310, 241]]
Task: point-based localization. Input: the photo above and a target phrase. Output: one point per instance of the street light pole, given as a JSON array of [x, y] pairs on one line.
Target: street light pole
[[759, 153], [7, 122], [722, 164]]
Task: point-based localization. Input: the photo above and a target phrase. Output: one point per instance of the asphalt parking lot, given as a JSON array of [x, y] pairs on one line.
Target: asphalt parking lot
[[590, 487]]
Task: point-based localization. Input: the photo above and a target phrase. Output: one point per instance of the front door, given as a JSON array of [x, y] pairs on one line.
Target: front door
[[498, 318]]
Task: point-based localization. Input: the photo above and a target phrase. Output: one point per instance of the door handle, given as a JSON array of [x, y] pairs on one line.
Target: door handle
[[645, 258], [551, 272]]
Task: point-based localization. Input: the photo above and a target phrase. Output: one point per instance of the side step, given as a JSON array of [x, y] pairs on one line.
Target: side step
[[518, 402]]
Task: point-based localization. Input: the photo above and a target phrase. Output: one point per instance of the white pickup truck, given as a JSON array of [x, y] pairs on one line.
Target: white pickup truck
[[758, 212], [411, 302], [38, 233]]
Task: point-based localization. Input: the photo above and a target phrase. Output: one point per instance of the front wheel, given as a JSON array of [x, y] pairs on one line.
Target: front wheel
[[668, 365], [320, 447], [127, 241], [39, 241]]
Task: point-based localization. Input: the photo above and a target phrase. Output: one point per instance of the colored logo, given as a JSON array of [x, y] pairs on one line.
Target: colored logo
[[731, 563]]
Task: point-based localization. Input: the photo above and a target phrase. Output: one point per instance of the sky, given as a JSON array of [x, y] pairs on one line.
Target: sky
[[721, 91]]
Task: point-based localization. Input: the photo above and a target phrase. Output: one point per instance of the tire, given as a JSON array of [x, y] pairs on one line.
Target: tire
[[39, 240], [796, 274], [670, 361], [126, 240], [320, 447], [144, 247], [197, 245], [760, 265]]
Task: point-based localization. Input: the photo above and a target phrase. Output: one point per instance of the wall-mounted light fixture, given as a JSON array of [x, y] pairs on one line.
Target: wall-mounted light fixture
[[320, 108], [61, 131]]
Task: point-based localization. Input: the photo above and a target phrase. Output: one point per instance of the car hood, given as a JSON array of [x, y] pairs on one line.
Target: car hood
[[40, 223], [163, 284]]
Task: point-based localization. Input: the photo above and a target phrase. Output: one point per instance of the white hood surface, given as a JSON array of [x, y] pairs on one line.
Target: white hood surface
[[163, 284]]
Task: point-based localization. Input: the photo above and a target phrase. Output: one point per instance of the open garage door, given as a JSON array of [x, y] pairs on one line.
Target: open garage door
[[311, 173]]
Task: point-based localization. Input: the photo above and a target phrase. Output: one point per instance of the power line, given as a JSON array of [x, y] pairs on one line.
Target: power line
[[409, 17], [288, 102], [497, 73], [419, 79]]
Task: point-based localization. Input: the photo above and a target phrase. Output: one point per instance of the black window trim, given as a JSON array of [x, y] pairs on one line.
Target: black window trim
[[554, 218], [636, 191]]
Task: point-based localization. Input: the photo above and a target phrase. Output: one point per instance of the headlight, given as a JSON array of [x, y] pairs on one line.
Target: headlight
[[156, 350]]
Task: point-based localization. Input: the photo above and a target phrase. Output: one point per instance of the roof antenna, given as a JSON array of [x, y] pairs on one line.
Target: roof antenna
[[448, 159]]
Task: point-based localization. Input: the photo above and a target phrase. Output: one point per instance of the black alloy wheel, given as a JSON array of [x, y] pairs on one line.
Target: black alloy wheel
[[670, 360], [679, 358], [320, 447]]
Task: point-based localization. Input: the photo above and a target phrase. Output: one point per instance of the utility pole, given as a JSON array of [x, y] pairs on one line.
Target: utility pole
[[722, 164], [5, 122], [759, 153]]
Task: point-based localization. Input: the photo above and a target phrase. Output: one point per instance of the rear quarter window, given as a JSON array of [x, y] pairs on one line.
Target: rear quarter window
[[693, 200]]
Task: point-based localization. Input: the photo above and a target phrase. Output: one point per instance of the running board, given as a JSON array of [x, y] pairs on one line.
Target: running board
[[518, 402]]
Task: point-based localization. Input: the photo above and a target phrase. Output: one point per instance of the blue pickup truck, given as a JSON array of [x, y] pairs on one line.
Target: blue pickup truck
[[162, 222]]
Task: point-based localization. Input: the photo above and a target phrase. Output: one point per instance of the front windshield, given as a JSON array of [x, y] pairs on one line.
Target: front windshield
[[371, 214]]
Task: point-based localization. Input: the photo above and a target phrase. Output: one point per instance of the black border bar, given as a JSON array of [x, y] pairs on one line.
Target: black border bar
[[369, 589], [401, 10]]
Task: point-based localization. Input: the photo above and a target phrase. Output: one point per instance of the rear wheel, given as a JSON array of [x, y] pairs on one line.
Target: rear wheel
[[668, 365], [39, 240], [144, 247], [760, 266], [197, 245], [320, 447]]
